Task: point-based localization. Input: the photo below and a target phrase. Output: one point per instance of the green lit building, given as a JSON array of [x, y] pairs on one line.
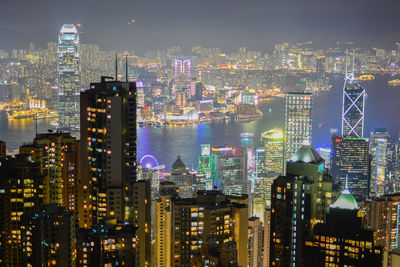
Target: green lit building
[[207, 167]]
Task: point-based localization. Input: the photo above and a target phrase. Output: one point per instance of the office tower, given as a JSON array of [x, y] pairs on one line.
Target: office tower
[[21, 191], [207, 167], [231, 169], [350, 160], [274, 159], [140, 95], [162, 232], [255, 242], [49, 237], [267, 237], [258, 184], [182, 74], [182, 178], [353, 108], [108, 121], [320, 67], [3, 149], [341, 240], [109, 243], [181, 99], [382, 216], [382, 151], [140, 216], [298, 122], [299, 200], [69, 78], [58, 156]]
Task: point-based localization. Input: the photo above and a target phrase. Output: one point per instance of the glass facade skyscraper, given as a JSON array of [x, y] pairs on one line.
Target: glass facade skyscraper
[[69, 78], [298, 122], [353, 108], [350, 161]]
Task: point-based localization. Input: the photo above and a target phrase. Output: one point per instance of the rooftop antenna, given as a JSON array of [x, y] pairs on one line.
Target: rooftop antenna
[[353, 61], [345, 62], [126, 67], [116, 66]]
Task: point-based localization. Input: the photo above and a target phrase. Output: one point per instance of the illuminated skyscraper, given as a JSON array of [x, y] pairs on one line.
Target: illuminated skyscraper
[[298, 201], [231, 170], [382, 150], [207, 167], [320, 67], [353, 108], [274, 160], [350, 161], [298, 122], [69, 78], [182, 72], [108, 116]]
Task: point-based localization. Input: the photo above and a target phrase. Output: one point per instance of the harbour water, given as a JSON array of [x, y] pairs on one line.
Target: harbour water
[[165, 143]]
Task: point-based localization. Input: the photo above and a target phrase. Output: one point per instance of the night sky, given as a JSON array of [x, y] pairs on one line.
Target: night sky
[[257, 24]]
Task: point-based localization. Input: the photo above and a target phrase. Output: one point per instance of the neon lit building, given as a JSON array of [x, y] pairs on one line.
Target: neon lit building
[[207, 167], [298, 122], [69, 78], [353, 108], [182, 72]]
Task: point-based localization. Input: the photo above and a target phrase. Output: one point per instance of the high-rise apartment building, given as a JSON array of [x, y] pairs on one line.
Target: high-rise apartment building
[[255, 242], [21, 191], [298, 122], [58, 156], [204, 230], [350, 163], [382, 215], [299, 200], [353, 108], [108, 243], [49, 237], [69, 78], [108, 123], [162, 231]]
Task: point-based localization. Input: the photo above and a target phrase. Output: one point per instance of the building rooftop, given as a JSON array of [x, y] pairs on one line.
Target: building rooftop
[[345, 201], [68, 28], [307, 154]]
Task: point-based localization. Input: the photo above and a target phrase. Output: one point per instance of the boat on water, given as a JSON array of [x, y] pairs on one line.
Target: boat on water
[[366, 77], [394, 82]]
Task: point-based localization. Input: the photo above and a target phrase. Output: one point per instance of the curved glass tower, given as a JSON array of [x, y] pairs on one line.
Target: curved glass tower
[[69, 78], [353, 108]]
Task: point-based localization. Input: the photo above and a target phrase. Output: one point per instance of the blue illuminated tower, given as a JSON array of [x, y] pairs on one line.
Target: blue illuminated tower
[[353, 108], [69, 78]]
